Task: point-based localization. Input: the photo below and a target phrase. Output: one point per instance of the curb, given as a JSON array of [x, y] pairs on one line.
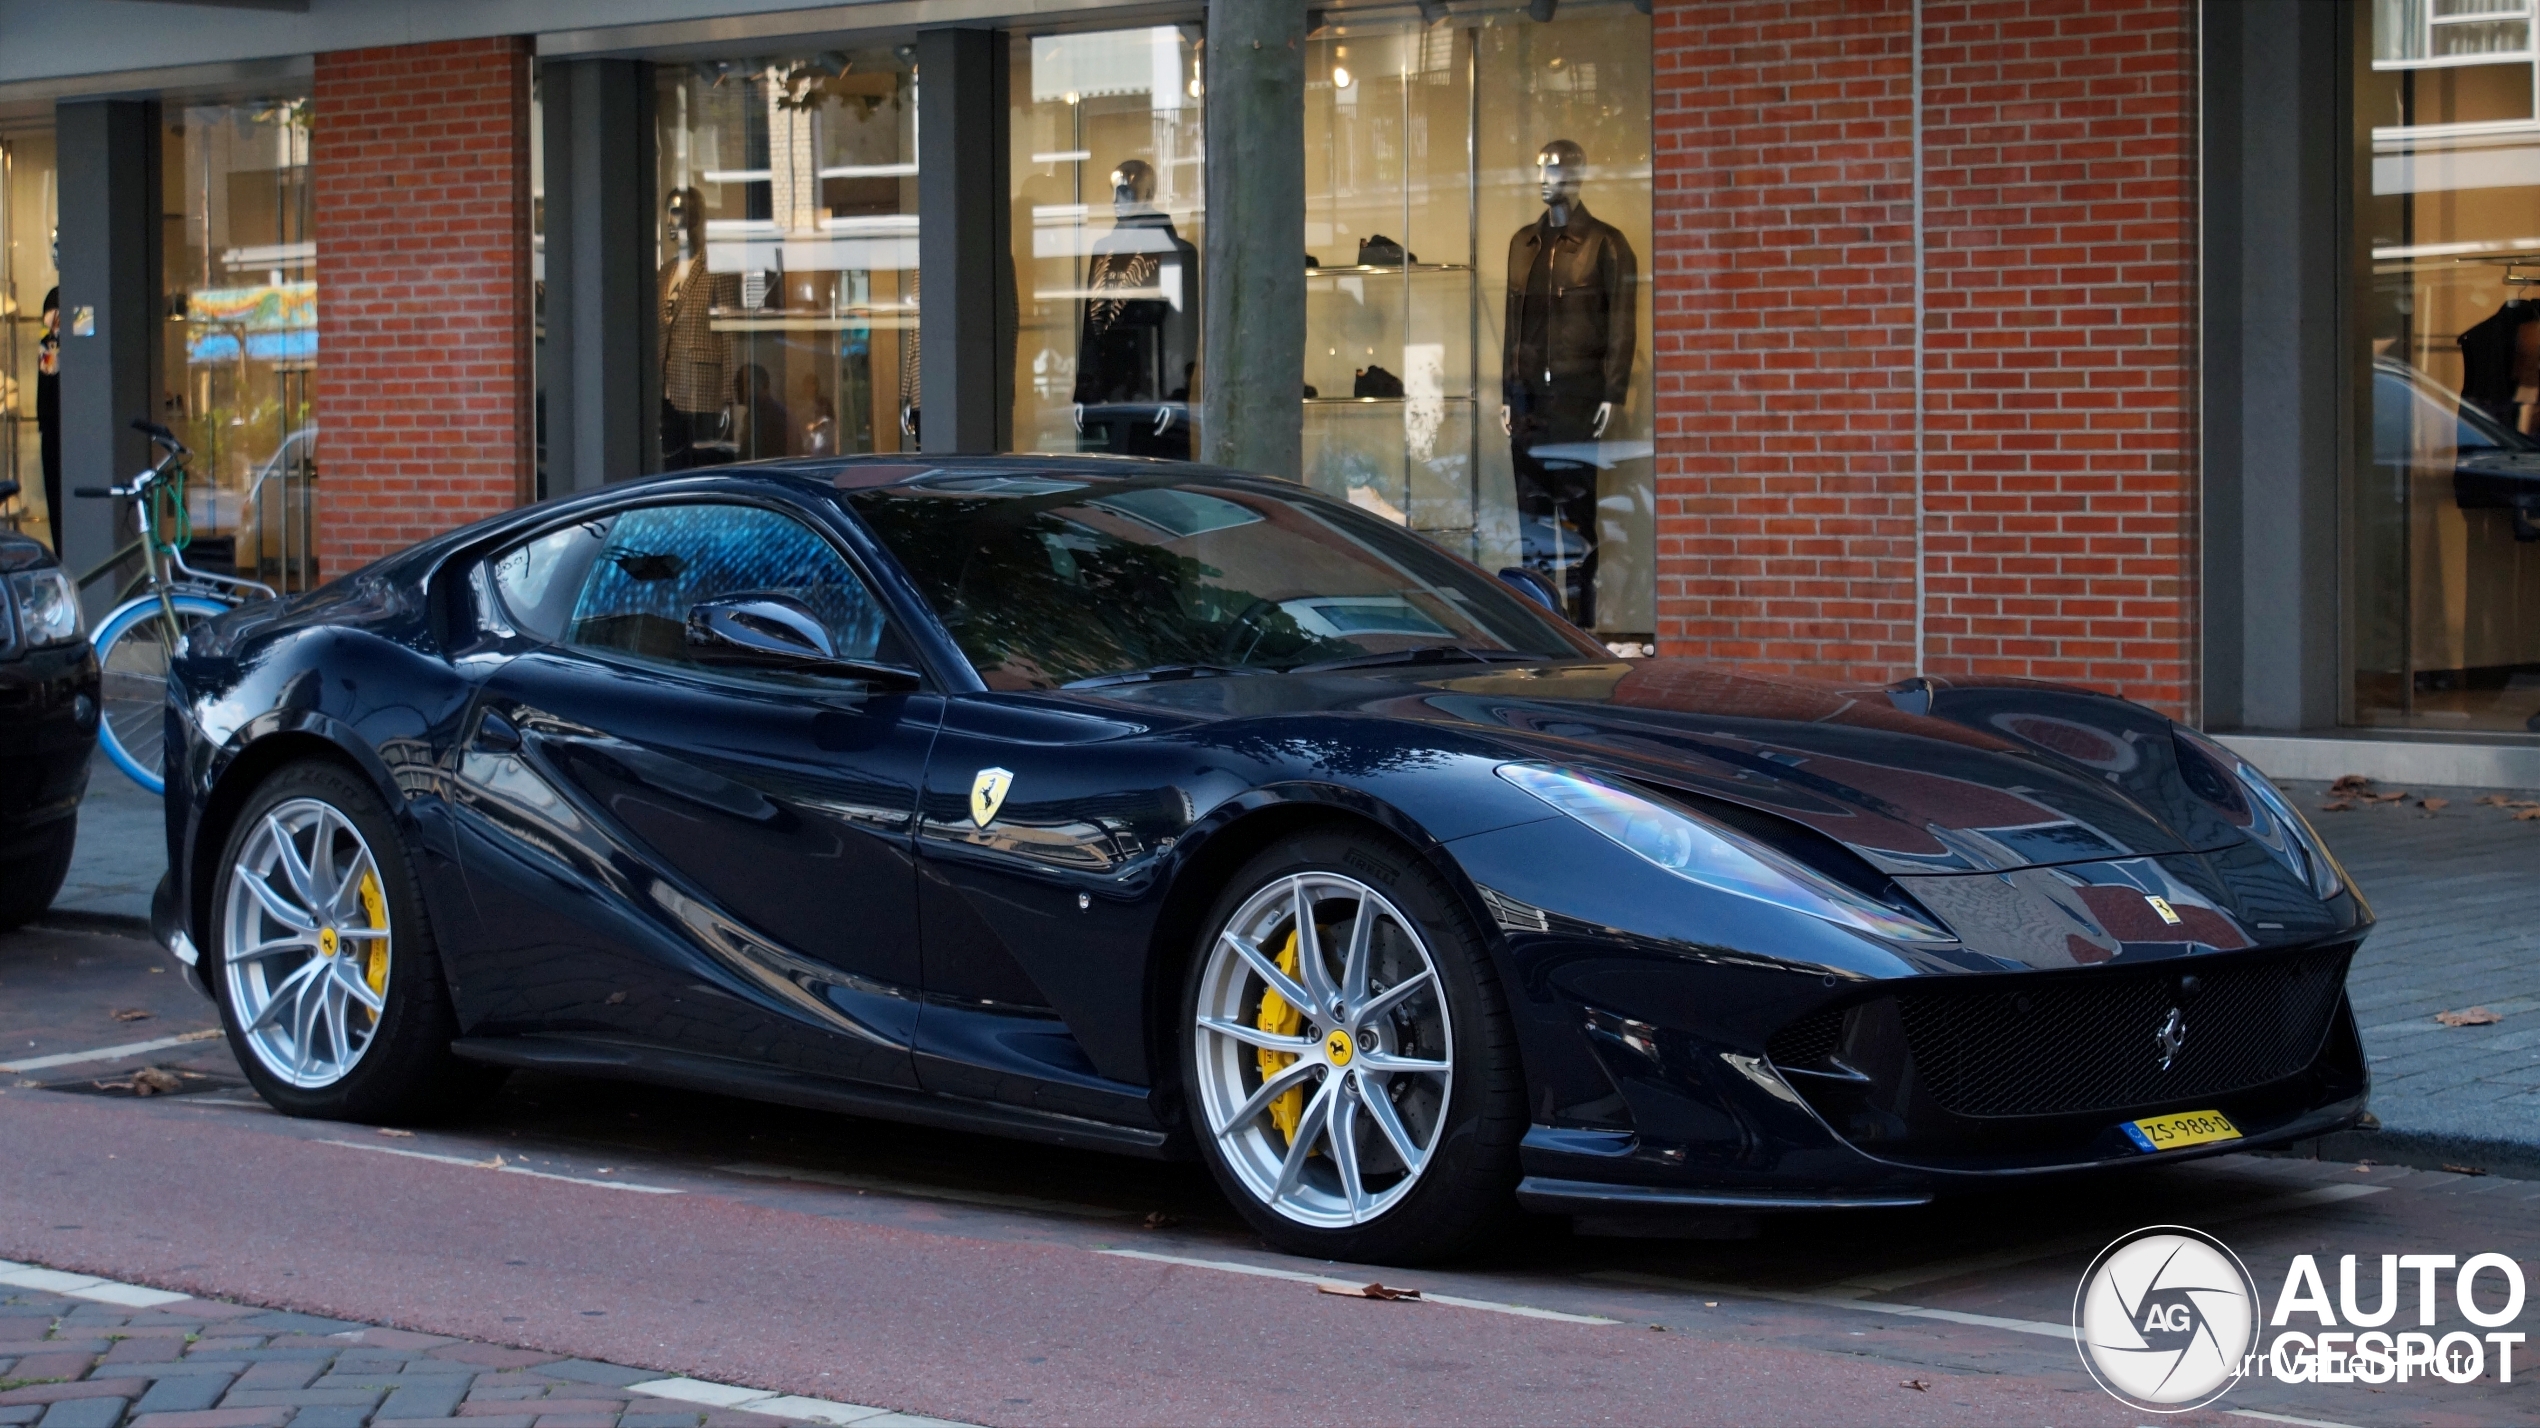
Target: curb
[[71, 919], [2420, 1150]]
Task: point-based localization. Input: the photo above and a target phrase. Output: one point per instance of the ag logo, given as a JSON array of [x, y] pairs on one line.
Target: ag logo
[[2164, 1318], [987, 795]]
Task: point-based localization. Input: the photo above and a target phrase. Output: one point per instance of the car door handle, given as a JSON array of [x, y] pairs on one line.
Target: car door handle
[[496, 735]]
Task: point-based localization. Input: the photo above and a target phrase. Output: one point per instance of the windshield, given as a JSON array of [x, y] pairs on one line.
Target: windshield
[[1060, 579]]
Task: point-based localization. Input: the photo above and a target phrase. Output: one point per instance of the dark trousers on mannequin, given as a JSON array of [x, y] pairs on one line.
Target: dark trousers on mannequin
[[1551, 440], [681, 433]]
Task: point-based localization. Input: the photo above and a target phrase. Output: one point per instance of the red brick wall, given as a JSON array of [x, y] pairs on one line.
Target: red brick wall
[[2058, 360], [421, 161]]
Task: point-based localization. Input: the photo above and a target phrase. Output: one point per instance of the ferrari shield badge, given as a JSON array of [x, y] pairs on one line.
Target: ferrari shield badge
[[987, 795], [2160, 905]]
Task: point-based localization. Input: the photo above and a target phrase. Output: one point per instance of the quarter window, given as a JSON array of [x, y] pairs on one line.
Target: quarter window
[[653, 564]]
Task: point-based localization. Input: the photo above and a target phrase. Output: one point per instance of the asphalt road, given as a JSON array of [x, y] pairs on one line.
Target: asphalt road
[[992, 1282]]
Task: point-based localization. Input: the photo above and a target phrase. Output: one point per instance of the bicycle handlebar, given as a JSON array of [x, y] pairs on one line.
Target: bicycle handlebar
[[95, 493], [160, 435]]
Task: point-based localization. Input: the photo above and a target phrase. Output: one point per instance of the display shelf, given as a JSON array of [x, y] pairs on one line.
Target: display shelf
[[1383, 401], [1364, 270]]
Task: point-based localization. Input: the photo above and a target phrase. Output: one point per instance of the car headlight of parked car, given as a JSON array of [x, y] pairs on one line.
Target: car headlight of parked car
[[2252, 802], [1714, 856], [48, 607]]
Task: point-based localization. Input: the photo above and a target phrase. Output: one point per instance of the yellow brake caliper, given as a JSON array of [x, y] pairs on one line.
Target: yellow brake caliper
[[375, 961], [1280, 1019]]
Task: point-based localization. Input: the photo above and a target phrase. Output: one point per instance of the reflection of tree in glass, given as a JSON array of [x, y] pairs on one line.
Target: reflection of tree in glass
[[1035, 598], [1372, 748]]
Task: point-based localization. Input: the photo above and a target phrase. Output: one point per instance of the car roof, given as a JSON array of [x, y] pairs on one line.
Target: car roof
[[864, 473]]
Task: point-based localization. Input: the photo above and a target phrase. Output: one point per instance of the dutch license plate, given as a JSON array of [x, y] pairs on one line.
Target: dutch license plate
[[2180, 1131]]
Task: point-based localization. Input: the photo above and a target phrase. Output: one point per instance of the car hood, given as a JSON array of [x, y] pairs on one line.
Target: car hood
[[1929, 776]]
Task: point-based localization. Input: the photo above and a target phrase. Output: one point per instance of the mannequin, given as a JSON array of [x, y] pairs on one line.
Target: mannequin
[[1139, 350], [1565, 364], [696, 360]]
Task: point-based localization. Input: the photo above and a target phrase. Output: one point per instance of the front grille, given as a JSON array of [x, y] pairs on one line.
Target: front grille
[[1808, 1040], [2086, 1043]]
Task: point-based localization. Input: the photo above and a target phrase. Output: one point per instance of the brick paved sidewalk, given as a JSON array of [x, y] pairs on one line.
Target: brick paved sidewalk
[[2457, 889], [68, 1362]]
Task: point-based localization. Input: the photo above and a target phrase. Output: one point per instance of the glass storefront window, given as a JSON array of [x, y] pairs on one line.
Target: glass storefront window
[[1477, 358], [2442, 504], [788, 276], [1107, 209], [240, 353], [30, 336]]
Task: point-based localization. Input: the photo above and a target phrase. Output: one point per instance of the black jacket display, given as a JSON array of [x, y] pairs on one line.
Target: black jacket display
[[1588, 325], [1139, 347], [2488, 352]]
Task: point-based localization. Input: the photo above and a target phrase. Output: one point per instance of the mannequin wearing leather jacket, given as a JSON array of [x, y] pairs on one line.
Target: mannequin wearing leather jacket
[[1135, 351], [1565, 364]]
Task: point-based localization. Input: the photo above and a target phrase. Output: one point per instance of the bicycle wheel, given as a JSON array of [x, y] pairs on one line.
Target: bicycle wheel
[[133, 649]]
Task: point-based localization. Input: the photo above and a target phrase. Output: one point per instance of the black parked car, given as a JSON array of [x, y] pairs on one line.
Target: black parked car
[[48, 723], [1140, 806]]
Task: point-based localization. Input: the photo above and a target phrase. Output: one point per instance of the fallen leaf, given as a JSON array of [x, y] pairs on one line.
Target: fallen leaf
[[1657, 1328], [1366, 1291], [400, 1134], [2335, 805], [151, 1081], [2475, 1016], [2350, 783], [616, 999], [2392, 797], [134, 1014], [2492, 800], [2464, 1170], [1916, 1384], [2527, 815], [1158, 1220], [2430, 804]]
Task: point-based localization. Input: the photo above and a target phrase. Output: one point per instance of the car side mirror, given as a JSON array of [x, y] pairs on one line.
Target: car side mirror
[[1533, 585], [766, 630]]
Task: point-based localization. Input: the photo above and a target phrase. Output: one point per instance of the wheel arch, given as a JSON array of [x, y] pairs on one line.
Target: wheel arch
[[1209, 855], [273, 741]]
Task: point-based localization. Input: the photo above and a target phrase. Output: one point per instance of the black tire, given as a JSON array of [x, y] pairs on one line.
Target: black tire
[[1466, 1190], [406, 1075], [29, 881]]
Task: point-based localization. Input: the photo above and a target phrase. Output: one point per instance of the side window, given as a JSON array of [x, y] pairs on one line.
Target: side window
[[539, 581], [658, 561]]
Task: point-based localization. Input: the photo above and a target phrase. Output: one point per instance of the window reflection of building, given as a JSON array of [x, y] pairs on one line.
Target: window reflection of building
[[788, 256], [2443, 500], [29, 353], [240, 354]]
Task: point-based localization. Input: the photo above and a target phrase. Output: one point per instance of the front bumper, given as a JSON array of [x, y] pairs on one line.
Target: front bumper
[[168, 930]]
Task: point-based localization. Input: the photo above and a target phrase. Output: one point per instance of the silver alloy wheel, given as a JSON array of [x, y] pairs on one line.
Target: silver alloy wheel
[[305, 943], [1354, 1045]]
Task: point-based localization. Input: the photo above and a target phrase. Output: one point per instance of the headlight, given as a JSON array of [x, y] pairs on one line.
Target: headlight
[[1719, 858], [2270, 821], [48, 607]]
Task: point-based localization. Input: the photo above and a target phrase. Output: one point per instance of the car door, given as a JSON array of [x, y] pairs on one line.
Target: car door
[[707, 859]]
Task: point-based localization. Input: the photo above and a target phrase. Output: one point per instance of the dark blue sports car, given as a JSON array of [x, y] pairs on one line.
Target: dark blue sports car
[[1147, 807]]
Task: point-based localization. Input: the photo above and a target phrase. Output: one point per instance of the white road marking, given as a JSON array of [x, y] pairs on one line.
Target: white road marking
[[1228, 1266], [881, 1185], [496, 1165], [1832, 1301], [775, 1405], [107, 1053], [84, 1286], [1868, 1284], [2284, 1418]]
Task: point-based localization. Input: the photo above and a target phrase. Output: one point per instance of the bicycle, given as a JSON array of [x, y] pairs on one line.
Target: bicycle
[[138, 638]]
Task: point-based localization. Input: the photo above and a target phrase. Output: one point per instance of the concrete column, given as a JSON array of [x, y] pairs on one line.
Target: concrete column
[[2278, 360], [964, 247], [108, 160], [597, 376], [1252, 279]]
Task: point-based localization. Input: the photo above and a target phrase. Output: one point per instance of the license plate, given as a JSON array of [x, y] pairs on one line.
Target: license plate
[[2180, 1131]]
